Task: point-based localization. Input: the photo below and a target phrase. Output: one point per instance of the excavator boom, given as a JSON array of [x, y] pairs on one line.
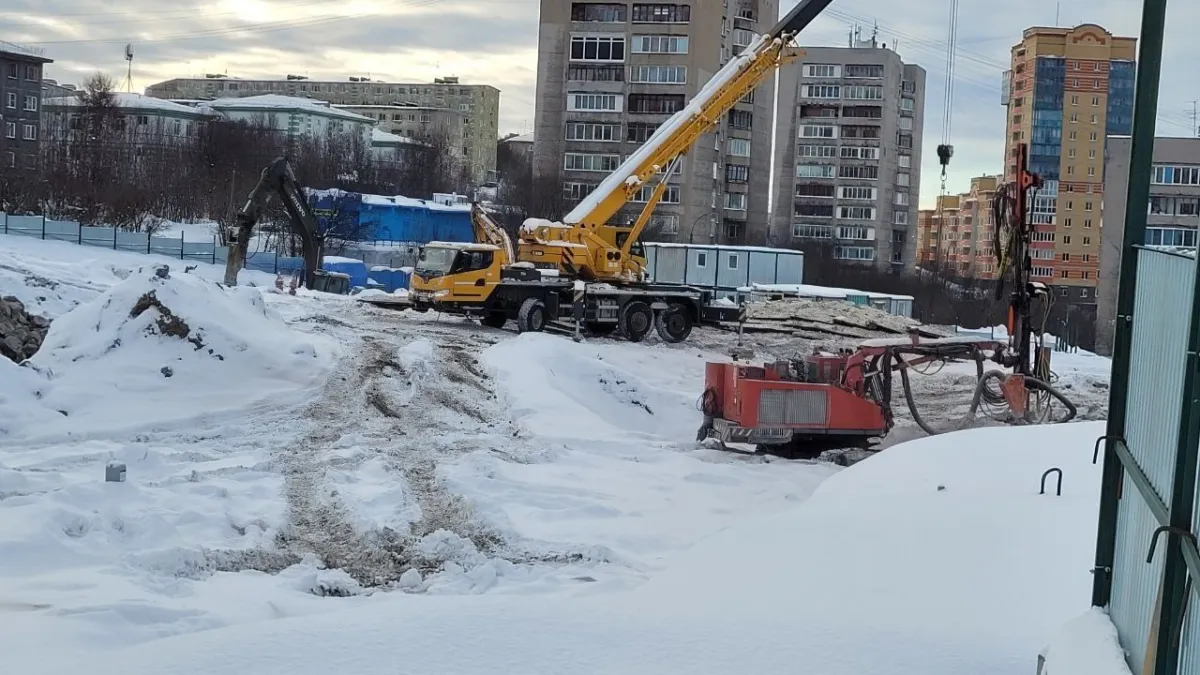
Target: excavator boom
[[277, 180]]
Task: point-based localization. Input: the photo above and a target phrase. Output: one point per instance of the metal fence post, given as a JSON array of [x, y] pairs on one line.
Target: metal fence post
[[1149, 68], [147, 243], [181, 245], [114, 237], [43, 227], [214, 250]]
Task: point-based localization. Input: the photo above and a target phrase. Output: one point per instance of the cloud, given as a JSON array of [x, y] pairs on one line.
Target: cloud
[[495, 42]]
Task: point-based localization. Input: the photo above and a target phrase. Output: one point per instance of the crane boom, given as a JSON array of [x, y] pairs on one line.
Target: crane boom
[[677, 135]]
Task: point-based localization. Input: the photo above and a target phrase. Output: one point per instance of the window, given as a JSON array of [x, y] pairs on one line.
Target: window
[[577, 102], [1042, 271], [864, 253], [659, 44], [1087, 222], [666, 223], [658, 74], [1074, 117], [741, 38], [1176, 175], [863, 92], [814, 210], [177, 127], [10, 129], [826, 151], [598, 48], [665, 104], [732, 261], [901, 199], [864, 71], [1087, 241], [1095, 101], [739, 147], [598, 12], [822, 91], [822, 70], [807, 231], [818, 131], [579, 161], [861, 172], [29, 132], [905, 161], [10, 100], [1041, 253], [31, 103], [848, 192], [588, 131], [741, 119], [906, 124], [1065, 274], [901, 218], [903, 179], [814, 190], [857, 152], [670, 194], [858, 232], [1093, 137], [1070, 169], [1066, 239], [1093, 119], [814, 171], [737, 173], [735, 201], [1066, 257], [10, 160], [576, 191], [908, 104], [12, 71], [869, 112], [1084, 275], [856, 212], [1071, 153], [595, 73], [639, 132], [662, 13]]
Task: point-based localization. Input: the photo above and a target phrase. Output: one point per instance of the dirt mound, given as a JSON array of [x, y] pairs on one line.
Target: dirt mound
[[21, 333]]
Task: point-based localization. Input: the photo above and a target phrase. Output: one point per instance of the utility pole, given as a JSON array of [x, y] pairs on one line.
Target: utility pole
[[1195, 118]]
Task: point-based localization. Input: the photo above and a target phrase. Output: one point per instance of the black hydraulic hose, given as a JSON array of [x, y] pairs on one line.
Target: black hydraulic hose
[[982, 391]]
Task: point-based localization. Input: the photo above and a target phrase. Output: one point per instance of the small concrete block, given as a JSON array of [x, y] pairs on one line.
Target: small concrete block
[[114, 472]]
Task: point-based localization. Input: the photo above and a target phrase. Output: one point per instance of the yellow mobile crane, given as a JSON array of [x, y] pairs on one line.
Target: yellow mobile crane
[[482, 278]]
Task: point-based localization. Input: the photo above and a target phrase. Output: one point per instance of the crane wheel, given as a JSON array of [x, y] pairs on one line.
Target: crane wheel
[[494, 319], [636, 321], [674, 323], [532, 317]]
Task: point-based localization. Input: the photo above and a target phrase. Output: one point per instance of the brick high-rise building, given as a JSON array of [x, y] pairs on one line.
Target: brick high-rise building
[[957, 235], [1068, 90], [609, 73]]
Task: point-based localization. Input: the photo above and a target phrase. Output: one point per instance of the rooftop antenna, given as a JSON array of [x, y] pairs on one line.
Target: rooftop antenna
[[875, 35], [129, 67], [1057, 11]]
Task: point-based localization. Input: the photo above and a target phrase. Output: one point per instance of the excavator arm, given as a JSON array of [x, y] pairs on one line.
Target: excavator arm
[[277, 180], [677, 135], [487, 231]]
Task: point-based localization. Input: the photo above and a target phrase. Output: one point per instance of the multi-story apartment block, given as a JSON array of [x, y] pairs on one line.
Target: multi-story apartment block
[[421, 123], [1068, 90], [609, 73], [956, 236], [479, 104], [1172, 220], [848, 157], [20, 105]]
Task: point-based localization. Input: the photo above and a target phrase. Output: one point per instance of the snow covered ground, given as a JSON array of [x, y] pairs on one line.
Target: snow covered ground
[[341, 450]]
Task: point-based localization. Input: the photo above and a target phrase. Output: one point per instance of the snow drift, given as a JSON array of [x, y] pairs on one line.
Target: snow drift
[[164, 346]]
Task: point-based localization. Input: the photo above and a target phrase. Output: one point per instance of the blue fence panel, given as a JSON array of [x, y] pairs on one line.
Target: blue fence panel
[[62, 230], [262, 261], [198, 250], [389, 279], [24, 225], [288, 266], [103, 237], [1159, 349], [134, 242], [1135, 583]]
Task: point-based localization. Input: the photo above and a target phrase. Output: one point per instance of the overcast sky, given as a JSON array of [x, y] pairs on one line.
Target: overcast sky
[[495, 42]]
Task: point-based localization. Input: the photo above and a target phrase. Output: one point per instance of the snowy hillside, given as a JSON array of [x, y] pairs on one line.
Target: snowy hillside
[[308, 468]]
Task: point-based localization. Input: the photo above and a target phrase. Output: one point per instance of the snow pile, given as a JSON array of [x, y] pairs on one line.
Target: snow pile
[[1086, 645], [937, 558], [165, 348], [531, 225]]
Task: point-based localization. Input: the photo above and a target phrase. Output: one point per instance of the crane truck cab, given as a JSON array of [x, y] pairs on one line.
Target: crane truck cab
[[453, 273]]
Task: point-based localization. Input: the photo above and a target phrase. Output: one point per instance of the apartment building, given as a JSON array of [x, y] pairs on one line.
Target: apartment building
[[1068, 90], [957, 235], [478, 104], [609, 73], [20, 96], [421, 123], [848, 158], [1172, 214]]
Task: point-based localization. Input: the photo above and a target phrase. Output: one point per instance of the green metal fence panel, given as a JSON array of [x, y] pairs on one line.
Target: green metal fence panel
[[1159, 350], [1135, 583]]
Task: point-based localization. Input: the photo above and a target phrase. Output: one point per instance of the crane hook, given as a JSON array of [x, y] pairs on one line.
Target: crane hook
[[945, 152]]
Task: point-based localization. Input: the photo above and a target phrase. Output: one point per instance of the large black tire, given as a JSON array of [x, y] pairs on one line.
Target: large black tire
[[532, 317], [494, 319], [636, 321], [674, 324], [600, 329]]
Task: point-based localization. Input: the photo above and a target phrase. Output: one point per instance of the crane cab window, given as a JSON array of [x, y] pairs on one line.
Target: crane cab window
[[470, 261]]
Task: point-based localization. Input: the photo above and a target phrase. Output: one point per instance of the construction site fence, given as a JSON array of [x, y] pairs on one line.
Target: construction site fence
[[382, 254], [1158, 466]]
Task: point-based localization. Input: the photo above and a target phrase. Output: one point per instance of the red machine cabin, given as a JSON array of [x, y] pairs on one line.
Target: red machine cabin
[[807, 406]]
